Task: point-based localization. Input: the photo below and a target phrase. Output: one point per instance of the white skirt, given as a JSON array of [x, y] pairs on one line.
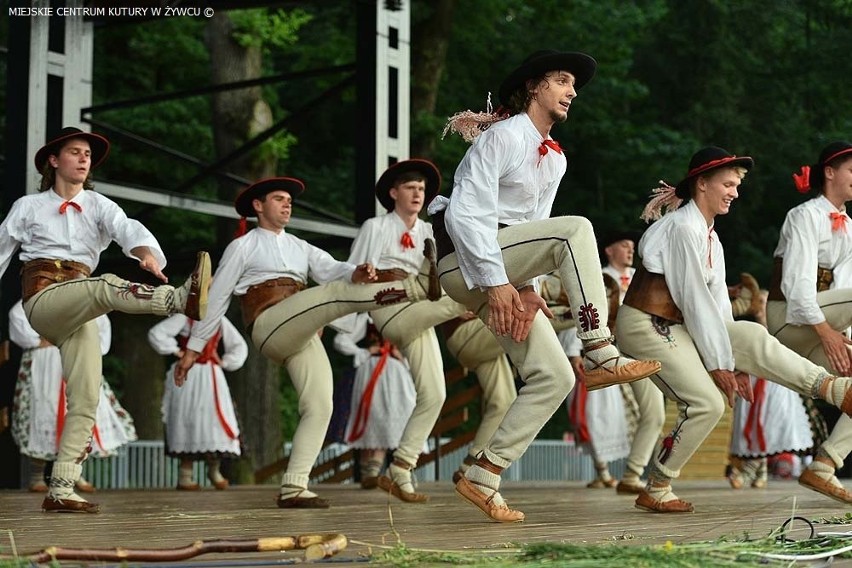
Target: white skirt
[[36, 409], [199, 416], [393, 402], [606, 422], [777, 423]]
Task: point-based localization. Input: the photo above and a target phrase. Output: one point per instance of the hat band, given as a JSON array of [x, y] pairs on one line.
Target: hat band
[[840, 153], [710, 165]]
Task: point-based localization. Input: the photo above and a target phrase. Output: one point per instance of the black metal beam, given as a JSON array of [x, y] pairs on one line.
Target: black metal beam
[[266, 134], [209, 89]]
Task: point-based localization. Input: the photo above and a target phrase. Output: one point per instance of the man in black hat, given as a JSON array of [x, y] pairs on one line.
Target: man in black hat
[[677, 309], [61, 232], [810, 297], [392, 242], [268, 268], [509, 178]]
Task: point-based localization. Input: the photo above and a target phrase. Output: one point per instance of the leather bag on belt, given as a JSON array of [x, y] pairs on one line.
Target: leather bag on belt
[[391, 275], [823, 282], [266, 294], [42, 272], [650, 293]]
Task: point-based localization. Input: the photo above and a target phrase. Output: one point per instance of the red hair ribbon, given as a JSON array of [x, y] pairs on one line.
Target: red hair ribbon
[[406, 241], [838, 221], [241, 228], [64, 207], [803, 179]]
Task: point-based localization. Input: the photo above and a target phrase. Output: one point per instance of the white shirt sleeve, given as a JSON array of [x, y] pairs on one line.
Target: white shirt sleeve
[[368, 244], [128, 233], [225, 280], [236, 349], [163, 336], [21, 332], [684, 262], [324, 268], [801, 261], [11, 231]]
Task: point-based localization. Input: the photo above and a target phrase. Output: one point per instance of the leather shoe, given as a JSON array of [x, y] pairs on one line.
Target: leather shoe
[[499, 513], [220, 485], [188, 487], [370, 482], [602, 377], [629, 489], [648, 503], [391, 487], [431, 253], [813, 481], [38, 487], [54, 505], [194, 291], [598, 483], [302, 503]]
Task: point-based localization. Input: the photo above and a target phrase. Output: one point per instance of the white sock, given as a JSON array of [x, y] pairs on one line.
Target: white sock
[[825, 471], [606, 356], [486, 479], [288, 491], [402, 477], [63, 479]]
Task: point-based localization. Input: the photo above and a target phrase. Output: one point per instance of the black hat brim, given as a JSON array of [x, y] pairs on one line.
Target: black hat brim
[[682, 188], [390, 175], [98, 145], [580, 65], [243, 202]]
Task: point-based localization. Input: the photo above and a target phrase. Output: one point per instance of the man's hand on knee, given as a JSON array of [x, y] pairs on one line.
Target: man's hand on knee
[[522, 321], [503, 303]]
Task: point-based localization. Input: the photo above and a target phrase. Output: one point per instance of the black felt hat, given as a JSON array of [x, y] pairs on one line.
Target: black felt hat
[[830, 153], [706, 159], [389, 177], [243, 202], [580, 65], [97, 143]]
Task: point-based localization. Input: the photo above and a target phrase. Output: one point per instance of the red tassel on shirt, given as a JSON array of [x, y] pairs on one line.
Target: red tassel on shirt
[[406, 241]]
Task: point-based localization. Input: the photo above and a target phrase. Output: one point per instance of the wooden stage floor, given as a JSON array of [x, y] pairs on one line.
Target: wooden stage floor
[[556, 512]]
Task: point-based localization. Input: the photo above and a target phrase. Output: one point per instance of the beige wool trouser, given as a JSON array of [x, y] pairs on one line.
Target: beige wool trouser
[[64, 314], [836, 306], [474, 346], [566, 244], [410, 326], [684, 379], [287, 334], [652, 418]]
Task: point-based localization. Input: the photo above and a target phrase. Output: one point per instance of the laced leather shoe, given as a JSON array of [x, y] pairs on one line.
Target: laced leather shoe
[[55, 505], [468, 491], [813, 481], [191, 298]]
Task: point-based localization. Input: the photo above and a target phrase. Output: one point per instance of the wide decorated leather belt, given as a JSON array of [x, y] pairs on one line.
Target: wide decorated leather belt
[[825, 277], [391, 275], [42, 272], [443, 242], [266, 294], [650, 293]]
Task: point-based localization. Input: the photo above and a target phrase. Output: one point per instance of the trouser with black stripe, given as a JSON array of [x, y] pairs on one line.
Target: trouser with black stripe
[[64, 314], [836, 306], [287, 334], [563, 244], [684, 380]]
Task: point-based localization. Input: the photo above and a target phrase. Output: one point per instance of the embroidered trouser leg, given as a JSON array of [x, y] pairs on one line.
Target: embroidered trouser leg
[[564, 244], [285, 328], [424, 359], [684, 379], [836, 305], [311, 375], [652, 417], [475, 347], [63, 313]]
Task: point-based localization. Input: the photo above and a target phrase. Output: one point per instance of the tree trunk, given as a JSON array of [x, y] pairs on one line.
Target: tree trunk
[[237, 117], [430, 38]]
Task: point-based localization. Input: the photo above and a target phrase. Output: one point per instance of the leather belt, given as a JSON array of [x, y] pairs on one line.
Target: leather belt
[[42, 272], [650, 293], [391, 275], [824, 279], [266, 294]]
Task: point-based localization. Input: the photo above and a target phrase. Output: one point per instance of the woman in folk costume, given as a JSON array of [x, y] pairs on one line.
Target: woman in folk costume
[[810, 295], [776, 422], [383, 397], [199, 416], [598, 416], [677, 309], [39, 405]]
